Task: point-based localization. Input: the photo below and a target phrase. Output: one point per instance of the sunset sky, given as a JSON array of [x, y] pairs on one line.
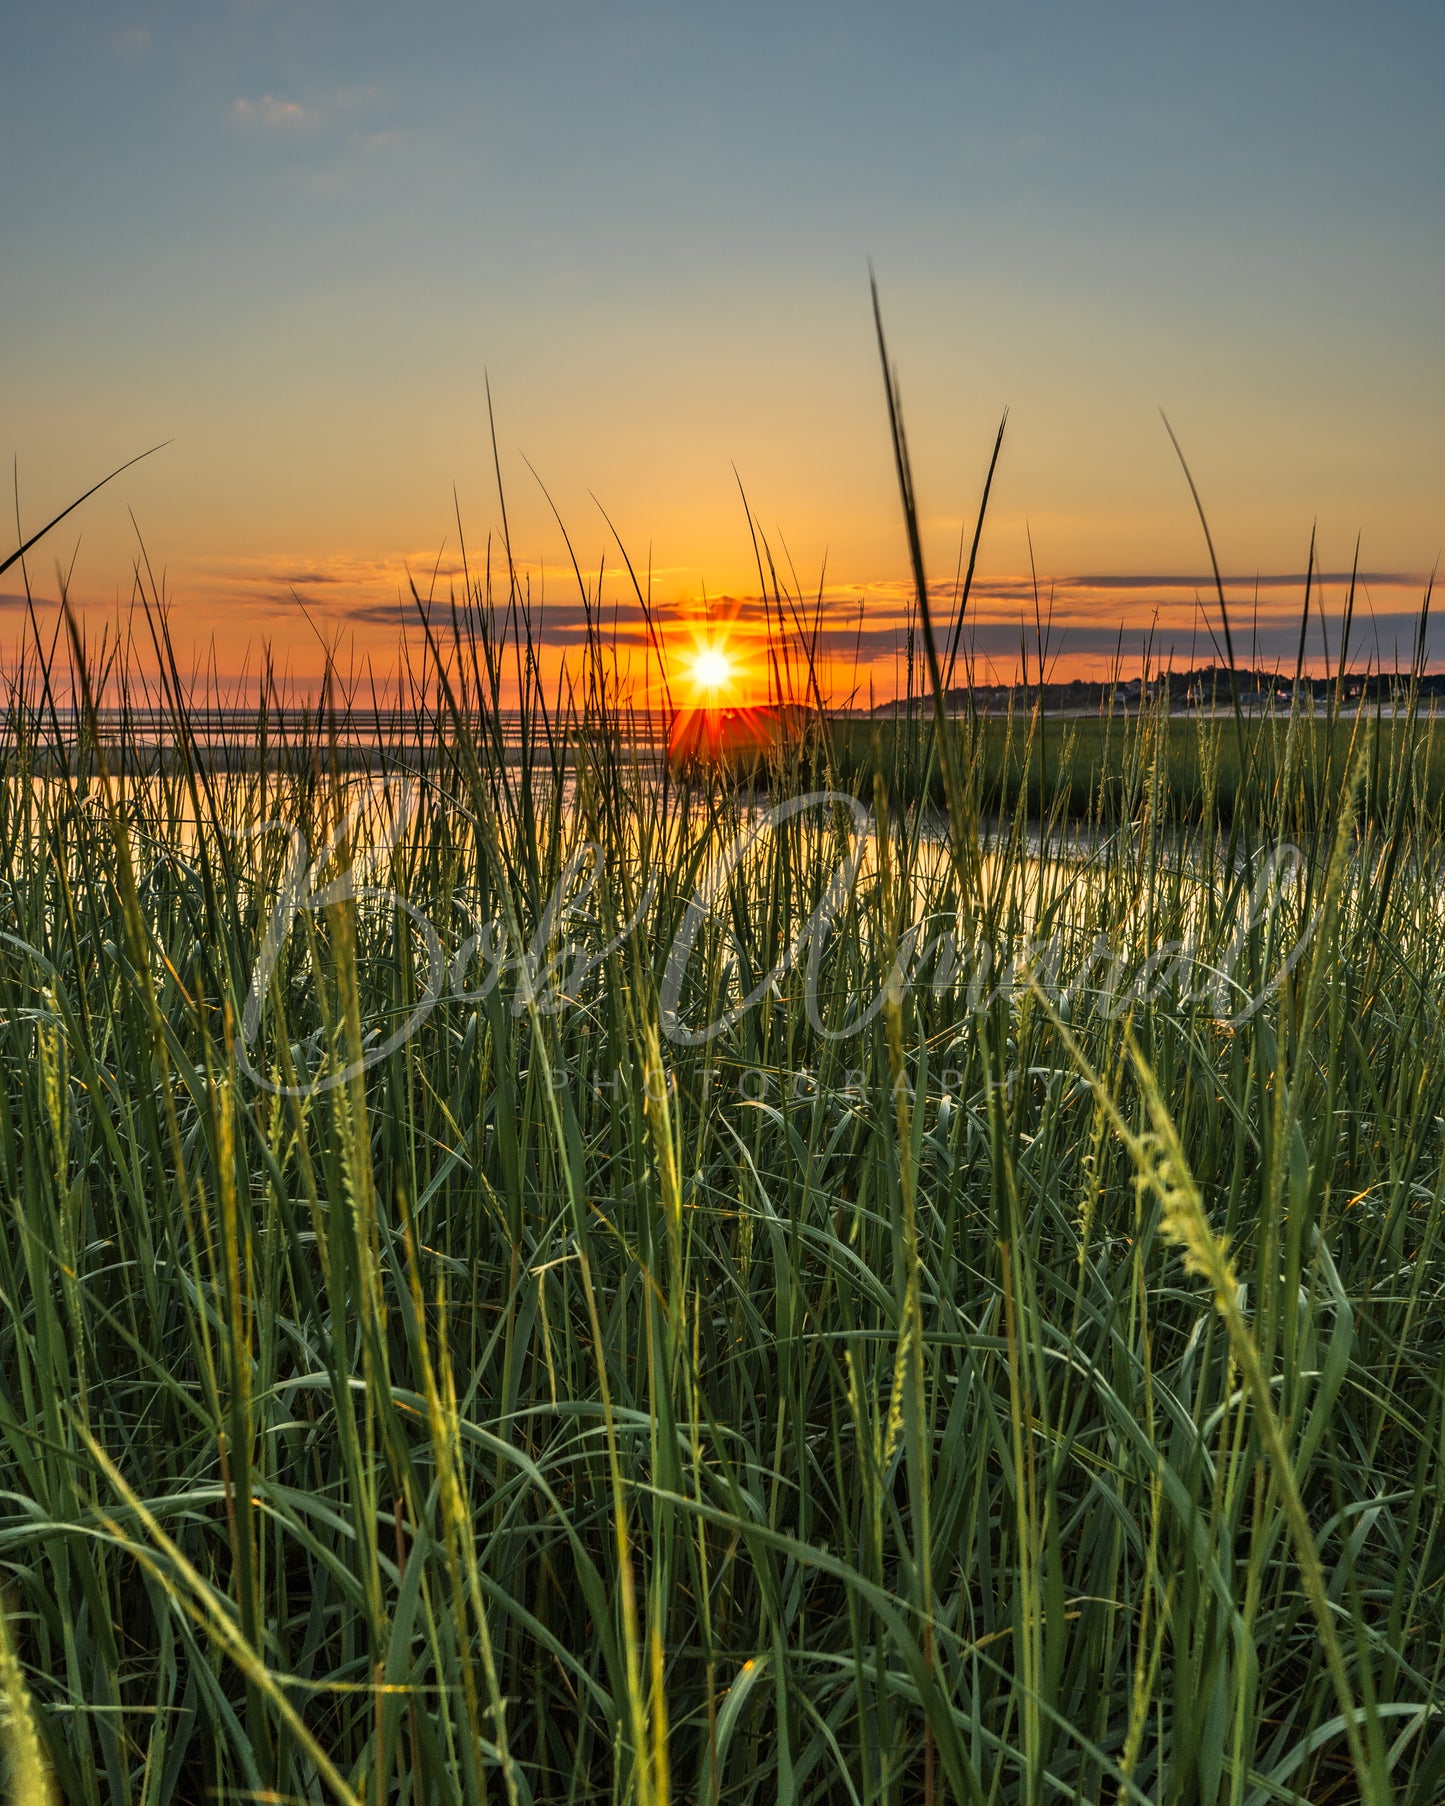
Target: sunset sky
[[294, 239]]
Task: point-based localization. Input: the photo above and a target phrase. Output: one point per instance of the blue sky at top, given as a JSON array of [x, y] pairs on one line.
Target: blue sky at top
[[291, 238]]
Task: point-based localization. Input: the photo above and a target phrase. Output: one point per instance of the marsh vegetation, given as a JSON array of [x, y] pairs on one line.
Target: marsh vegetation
[[473, 1381]]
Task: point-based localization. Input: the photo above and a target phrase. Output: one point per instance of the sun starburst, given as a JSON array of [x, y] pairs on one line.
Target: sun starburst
[[713, 672]]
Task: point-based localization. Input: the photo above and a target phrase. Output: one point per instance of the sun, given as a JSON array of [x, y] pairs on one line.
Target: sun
[[717, 718], [712, 671]]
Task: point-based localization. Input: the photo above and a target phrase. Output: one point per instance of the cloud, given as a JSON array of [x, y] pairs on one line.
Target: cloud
[[1204, 580], [271, 111], [135, 40], [284, 569], [275, 112], [554, 624], [1089, 583], [1384, 641], [875, 650], [286, 594]]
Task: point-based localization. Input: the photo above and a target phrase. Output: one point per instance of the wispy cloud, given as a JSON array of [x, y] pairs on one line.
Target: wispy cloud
[[1263, 580], [552, 623], [278, 112], [133, 41], [283, 570], [1093, 595], [1091, 618], [271, 110]]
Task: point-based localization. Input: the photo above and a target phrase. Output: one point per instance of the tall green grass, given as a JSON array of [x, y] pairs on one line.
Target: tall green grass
[[1033, 1395], [1083, 768]]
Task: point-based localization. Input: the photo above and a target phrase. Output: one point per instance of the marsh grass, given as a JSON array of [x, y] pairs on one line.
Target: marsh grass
[[1013, 1399], [1083, 769]]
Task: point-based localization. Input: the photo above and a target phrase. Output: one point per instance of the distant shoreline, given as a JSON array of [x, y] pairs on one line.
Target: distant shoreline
[[1199, 693]]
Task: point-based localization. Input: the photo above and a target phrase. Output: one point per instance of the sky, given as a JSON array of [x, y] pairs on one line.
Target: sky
[[297, 241]]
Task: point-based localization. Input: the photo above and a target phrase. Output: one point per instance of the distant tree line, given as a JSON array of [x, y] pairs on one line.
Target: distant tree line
[[1204, 687]]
